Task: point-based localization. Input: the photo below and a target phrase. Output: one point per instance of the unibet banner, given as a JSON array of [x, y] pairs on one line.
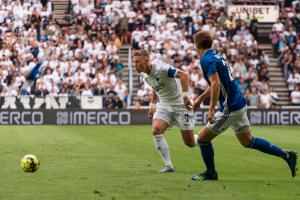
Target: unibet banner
[[130, 117], [263, 13]]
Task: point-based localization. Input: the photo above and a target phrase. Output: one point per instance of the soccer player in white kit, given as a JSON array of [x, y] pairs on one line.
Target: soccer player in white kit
[[170, 103]]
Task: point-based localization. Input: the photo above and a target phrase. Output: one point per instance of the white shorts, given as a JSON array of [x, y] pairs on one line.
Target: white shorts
[[175, 115], [237, 120]]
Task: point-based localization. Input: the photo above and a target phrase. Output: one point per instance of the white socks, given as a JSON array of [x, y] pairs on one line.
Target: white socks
[[163, 149], [196, 139]]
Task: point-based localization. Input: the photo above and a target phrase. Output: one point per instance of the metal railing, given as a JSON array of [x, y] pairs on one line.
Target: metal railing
[[130, 75]]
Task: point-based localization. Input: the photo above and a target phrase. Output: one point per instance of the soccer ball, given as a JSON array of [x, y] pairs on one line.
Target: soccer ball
[[30, 163]]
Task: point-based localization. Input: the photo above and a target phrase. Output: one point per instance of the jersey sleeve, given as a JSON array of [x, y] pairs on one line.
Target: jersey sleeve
[[172, 71], [211, 67], [167, 70]]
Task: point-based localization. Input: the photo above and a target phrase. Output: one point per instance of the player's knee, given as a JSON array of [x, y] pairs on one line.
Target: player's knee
[[202, 138], [246, 142], [156, 130], [190, 144], [189, 138]]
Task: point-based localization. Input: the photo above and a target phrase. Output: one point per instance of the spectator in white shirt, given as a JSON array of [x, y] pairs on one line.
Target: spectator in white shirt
[[265, 100], [273, 95], [111, 48], [293, 80], [295, 96], [120, 89], [86, 91], [141, 93], [278, 26], [52, 88]]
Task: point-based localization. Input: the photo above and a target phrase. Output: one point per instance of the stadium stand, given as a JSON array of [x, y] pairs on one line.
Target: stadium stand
[[84, 58], [254, 2], [260, 67], [89, 41], [168, 35]]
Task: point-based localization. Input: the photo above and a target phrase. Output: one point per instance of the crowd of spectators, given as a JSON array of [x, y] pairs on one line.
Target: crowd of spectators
[[285, 37], [84, 59], [166, 29]]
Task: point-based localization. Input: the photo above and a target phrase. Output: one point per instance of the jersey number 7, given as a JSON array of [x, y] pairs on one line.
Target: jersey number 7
[[186, 116]]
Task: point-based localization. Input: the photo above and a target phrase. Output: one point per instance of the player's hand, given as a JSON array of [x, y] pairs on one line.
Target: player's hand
[[151, 112], [197, 103], [188, 104], [210, 116]]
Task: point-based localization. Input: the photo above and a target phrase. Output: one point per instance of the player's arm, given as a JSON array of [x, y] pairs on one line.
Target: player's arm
[[184, 79], [214, 94], [154, 98], [201, 98], [153, 104]]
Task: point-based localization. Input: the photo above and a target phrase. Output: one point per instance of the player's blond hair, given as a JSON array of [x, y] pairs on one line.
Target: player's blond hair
[[141, 53]]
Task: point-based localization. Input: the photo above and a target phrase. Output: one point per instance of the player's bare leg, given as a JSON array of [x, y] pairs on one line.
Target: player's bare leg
[[206, 135], [188, 138], [204, 141], [158, 129], [248, 141]]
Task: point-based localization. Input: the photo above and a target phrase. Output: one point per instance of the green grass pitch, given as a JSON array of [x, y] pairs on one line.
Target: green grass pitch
[[120, 162]]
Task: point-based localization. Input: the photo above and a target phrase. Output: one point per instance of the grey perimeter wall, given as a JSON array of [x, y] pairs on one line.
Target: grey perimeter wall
[[129, 117]]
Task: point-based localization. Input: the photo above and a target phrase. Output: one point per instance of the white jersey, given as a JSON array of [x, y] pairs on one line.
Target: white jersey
[[162, 80]]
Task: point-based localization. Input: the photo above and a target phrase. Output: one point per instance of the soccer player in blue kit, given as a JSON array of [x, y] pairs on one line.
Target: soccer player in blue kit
[[35, 72], [232, 111]]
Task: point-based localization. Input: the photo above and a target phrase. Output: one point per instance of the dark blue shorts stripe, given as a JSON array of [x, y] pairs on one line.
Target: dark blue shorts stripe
[[217, 124], [221, 122]]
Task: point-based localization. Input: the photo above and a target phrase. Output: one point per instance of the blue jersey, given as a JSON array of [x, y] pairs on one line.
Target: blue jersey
[[231, 97], [35, 72]]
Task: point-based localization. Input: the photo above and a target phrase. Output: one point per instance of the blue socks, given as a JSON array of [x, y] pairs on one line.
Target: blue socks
[[266, 147], [207, 153], [260, 144]]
